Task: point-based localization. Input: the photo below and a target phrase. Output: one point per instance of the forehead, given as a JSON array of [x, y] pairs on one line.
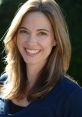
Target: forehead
[[36, 19]]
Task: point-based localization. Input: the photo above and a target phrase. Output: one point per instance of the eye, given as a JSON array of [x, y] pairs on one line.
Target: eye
[[23, 31], [42, 33]]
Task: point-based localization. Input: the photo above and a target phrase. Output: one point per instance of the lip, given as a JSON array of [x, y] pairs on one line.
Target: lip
[[32, 52]]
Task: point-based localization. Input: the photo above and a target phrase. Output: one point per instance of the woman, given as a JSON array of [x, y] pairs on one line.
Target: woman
[[38, 55]]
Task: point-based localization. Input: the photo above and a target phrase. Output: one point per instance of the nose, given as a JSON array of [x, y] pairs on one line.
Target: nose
[[32, 40]]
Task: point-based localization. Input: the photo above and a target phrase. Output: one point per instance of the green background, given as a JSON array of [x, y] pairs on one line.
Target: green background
[[72, 10]]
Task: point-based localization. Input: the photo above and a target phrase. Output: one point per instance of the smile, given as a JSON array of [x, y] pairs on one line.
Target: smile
[[35, 51]]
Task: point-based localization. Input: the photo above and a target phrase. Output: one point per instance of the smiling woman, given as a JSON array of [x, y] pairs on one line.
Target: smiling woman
[[35, 82], [35, 40]]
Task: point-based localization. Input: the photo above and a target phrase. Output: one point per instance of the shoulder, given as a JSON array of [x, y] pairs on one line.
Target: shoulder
[[66, 98], [66, 86], [69, 85], [2, 106], [3, 78], [3, 102], [73, 105]]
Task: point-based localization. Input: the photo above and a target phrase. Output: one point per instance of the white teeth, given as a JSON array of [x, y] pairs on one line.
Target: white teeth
[[32, 51]]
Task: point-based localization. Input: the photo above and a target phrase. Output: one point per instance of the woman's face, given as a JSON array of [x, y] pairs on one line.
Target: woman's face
[[35, 38]]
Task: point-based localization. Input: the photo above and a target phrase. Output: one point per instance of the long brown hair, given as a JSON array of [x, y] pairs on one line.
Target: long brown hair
[[58, 61]]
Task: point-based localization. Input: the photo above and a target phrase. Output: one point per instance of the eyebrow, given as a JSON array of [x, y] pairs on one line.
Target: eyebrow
[[42, 29]]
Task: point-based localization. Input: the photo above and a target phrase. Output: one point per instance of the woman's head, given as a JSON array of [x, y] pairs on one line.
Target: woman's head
[[35, 39], [59, 57]]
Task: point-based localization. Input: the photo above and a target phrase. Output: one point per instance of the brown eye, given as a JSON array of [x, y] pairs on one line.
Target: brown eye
[[23, 31], [42, 33]]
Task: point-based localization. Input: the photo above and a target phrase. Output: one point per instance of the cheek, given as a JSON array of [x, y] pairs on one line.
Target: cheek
[[21, 38], [48, 44], [20, 41], [19, 45]]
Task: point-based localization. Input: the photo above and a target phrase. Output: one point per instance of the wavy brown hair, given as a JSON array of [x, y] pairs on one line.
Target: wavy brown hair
[[58, 61]]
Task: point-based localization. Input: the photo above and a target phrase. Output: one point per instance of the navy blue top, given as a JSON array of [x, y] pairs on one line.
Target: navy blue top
[[64, 100]]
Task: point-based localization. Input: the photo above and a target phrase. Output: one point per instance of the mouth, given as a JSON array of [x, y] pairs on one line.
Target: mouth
[[32, 51]]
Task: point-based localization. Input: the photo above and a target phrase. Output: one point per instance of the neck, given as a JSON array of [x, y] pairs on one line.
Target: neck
[[23, 102], [33, 72]]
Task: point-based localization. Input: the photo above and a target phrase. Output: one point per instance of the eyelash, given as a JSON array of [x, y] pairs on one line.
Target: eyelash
[[23, 31], [42, 33]]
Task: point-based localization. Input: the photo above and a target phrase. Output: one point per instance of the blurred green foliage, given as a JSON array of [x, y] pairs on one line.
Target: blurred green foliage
[[72, 10]]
